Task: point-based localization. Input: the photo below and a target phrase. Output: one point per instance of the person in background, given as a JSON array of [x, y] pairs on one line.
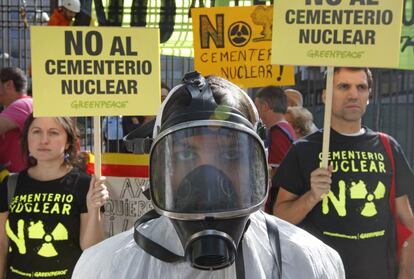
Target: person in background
[[208, 174], [294, 98], [64, 15], [130, 123], [17, 107], [347, 205], [271, 103], [301, 120], [165, 89], [54, 213], [113, 134]]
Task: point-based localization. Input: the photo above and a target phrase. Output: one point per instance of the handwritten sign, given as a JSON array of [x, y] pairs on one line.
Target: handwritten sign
[[126, 175], [235, 43], [126, 203]]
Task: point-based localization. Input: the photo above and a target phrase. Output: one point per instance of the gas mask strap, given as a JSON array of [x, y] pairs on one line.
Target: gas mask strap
[[273, 234], [151, 247], [240, 270]]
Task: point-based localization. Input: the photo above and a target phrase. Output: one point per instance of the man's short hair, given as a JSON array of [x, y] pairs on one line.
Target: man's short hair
[[16, 75], [275, 97], [366, 70]]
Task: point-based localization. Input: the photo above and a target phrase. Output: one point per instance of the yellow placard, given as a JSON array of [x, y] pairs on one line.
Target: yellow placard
[[337, 32], [235, 43], [95, 71], [407, 37]]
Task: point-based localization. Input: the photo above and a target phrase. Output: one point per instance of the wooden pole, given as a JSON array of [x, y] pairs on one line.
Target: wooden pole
[[97, 145], [327, 116]]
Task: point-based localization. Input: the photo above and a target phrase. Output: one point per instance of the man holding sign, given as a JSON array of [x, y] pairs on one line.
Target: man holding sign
[[348, 205]]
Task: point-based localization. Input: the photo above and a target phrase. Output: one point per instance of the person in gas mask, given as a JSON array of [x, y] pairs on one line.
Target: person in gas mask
[[208, 181]]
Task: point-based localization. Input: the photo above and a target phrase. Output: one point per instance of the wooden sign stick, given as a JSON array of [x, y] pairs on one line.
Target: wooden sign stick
[[327, 117], [97, 145]]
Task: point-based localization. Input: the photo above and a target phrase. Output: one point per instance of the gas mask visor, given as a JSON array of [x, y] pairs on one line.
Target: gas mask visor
[[208, 168]]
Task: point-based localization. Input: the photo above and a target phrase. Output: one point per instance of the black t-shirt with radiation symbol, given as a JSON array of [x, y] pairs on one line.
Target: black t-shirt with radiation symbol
[[43, 225], [355, 218]]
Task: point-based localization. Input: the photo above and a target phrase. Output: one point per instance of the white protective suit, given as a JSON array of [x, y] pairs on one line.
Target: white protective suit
[[303, 255]]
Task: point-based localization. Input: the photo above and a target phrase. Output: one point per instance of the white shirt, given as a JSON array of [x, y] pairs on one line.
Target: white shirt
[[303, 255], [112, 127]]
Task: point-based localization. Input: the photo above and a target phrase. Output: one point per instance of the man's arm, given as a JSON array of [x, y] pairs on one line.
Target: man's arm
[[294, 208], [6, 125], [406, 217]]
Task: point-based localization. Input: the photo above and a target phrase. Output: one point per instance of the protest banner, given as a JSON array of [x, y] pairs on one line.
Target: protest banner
[[353, 33], [235, 43], [95, 71], [126, 175], [173, 18]]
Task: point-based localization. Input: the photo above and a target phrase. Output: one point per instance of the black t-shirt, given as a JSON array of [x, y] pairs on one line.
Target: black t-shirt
[[44, 225], [355, 218]]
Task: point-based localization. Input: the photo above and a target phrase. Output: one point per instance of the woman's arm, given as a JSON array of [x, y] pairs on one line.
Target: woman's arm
[[91, 223]]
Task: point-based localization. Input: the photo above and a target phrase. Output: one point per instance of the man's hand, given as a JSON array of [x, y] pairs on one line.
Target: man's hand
[[320, 183]]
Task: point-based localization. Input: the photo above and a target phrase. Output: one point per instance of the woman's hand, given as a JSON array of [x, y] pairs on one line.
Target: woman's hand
[[98, 193]]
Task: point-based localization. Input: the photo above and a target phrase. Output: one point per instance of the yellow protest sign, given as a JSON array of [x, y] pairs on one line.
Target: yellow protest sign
[[407, 36], [94, 71], [337, 32], [235, 43]]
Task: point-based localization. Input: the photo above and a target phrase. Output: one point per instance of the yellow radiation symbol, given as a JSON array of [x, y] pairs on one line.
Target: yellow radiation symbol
[[36, 231], [359, 191]]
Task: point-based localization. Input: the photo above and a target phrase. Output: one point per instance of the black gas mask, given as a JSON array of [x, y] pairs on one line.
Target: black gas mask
[[220, 192], [208, 172], [208, 244]]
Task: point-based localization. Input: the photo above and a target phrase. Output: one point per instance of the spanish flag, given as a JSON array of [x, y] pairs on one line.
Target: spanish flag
[[121, 165]]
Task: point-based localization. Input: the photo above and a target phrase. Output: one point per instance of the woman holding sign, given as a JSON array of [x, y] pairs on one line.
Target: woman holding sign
[[50, 212]]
